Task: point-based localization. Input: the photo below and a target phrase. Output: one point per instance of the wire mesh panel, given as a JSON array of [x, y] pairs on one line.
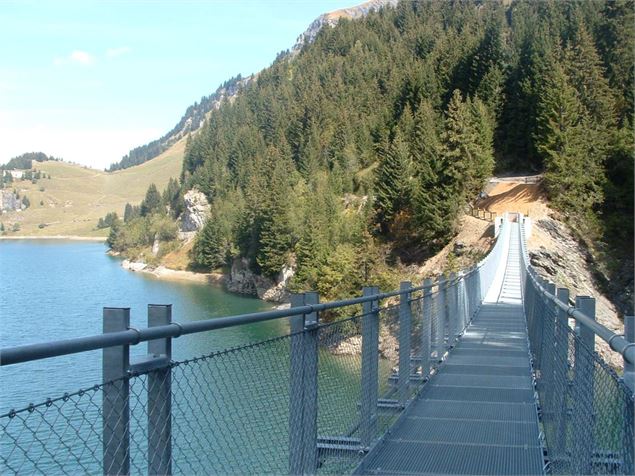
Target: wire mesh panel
[[59, 436], [587, 412], [586, 409], [230, 411]]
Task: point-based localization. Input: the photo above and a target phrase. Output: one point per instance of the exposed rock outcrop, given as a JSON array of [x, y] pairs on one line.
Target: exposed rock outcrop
[[243, 280], [195, 213], [559, 257], [333, 17]]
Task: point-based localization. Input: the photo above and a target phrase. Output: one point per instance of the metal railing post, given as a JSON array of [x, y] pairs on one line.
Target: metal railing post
[[370, 366], [160, 396], [561, 371], [629, 368], [442, 317], [405, 324], [583, 416], [303, 387], [426, 328], [463, 302], [453, 314], [545, 349], [116, 396], [629, 411]]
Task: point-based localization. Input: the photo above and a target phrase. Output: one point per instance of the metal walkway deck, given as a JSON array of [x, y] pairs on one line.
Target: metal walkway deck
[[477, 415]]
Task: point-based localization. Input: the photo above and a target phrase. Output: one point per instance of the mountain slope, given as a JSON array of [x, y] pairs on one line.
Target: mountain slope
[[370, 140], [195, 115], [75, 198]]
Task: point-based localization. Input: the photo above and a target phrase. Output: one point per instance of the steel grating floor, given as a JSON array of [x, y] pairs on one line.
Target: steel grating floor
[[477, 415]]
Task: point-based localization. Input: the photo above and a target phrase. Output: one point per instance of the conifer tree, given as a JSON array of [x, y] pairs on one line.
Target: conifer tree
[[392, 185], [152, 201], [583, 67], [458, 143], [172, 198], [573, 164], [275, 240], [208, 250]]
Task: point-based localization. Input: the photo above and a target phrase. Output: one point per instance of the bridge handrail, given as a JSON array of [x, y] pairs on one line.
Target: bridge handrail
[[616, 342], [43, 350], [25, 353]]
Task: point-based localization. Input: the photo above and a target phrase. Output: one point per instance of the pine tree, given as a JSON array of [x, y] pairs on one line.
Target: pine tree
[[127, 214], [208, 250], [275, 240], [583, 67], [172, 198], [457, 147], [152, 201], [482, 166], [573, 164], [392, 184], [430, 207]]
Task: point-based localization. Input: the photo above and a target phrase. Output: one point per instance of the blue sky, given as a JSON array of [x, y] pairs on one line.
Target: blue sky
[[87, 80]]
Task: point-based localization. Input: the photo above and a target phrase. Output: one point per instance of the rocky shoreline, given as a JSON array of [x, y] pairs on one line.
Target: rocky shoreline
[[172, 274], [240, 280]]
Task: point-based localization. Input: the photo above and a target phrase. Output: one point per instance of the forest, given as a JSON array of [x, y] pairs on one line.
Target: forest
[[25, 161], [362, 150]]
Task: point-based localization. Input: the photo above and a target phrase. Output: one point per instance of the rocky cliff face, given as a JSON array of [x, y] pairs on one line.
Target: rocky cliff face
[[331, 19], [243, 280], [559, 257], [195, 212]]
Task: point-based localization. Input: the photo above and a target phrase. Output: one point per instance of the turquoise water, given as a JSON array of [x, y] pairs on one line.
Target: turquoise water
[[53, 289], [230, 412]]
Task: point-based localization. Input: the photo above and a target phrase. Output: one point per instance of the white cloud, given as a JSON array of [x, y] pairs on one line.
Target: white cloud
[[77, 56], [116, 52], [82, 57]]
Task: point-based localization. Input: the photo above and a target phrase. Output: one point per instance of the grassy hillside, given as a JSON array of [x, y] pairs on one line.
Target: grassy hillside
[[74, 199]]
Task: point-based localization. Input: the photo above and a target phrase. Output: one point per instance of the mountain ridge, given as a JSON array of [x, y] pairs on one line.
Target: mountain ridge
[[195, 115]]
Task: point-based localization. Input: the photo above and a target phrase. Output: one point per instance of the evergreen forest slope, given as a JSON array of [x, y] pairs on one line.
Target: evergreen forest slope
[[363, 149]]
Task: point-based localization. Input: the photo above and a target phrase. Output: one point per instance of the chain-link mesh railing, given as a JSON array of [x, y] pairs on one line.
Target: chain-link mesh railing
[[314, 400], [586, 409], [231, 411]]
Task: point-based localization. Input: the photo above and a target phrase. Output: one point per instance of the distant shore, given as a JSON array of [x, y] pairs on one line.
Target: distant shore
[[54, 237]]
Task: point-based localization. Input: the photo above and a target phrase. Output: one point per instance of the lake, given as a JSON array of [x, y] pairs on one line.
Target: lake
[[230, 410], [51, 289]]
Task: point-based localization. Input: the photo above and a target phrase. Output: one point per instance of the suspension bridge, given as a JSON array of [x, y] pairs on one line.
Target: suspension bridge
[[491, 370]]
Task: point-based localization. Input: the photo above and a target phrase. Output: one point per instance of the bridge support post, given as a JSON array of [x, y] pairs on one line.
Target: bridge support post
[[583, 416], [629, 369], [463, 302], [303, 387], [453, 310], [561, 371], [629, 417], [441, 316], [426, 328], [116, 396], [370, 367], [545, 350], [405, 324], [160, 395]]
